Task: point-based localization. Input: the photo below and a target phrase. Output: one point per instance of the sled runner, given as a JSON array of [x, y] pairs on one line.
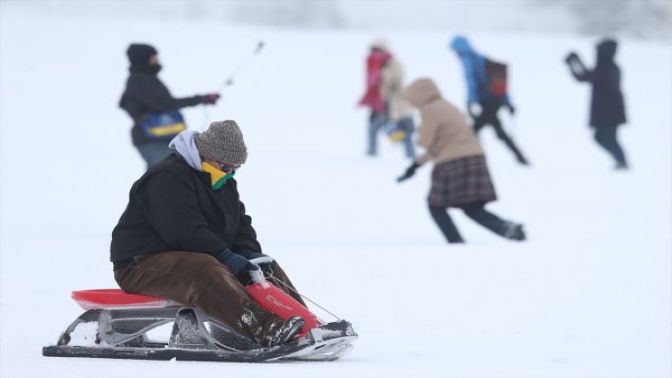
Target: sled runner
[[122, 325], [116, 325]]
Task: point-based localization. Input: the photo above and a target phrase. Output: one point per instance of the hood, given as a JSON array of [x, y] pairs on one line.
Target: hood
[[461, 45], [139, 53], [421, 92], [380, 44], [378, 58], [606, 51], [151, 69], [185, 145]]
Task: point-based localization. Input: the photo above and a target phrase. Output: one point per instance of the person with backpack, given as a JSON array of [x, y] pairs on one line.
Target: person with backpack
[[487, 92], [155, 112], [607, 107], [460, 177], [384, 97]]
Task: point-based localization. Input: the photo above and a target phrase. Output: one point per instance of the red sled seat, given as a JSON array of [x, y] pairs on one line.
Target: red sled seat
[[116, 298]]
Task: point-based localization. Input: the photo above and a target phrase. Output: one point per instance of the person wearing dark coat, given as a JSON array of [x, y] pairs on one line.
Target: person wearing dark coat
[[185, 236], [482, 104], [607, 107], [154, 110]]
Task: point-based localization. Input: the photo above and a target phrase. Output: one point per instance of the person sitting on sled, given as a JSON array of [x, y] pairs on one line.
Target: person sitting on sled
[[185, 236]]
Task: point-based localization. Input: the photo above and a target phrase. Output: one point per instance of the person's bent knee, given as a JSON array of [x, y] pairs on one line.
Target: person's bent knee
[[600, 137], [437, 210], [471, 208]]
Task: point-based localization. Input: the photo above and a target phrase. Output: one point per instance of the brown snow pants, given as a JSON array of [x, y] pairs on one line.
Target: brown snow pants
[[200, 280]]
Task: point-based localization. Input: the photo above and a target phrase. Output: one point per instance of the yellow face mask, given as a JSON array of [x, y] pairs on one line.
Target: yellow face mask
[[217, 177]]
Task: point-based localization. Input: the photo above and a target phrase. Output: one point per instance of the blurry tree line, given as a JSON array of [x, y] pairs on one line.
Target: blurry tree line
[[632, 18], [647, 19]]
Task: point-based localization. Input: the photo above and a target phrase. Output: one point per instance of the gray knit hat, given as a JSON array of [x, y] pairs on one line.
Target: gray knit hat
[[222, 142]]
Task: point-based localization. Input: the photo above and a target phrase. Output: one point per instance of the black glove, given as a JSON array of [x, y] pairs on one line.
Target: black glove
[[512, 109], [210, 98], [474, 109], [251, 255], [576, 67], [410, 171], [572, 56], [238, 265]]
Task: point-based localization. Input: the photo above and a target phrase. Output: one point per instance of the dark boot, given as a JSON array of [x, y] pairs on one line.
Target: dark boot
[[282, 333], [621, 167], [514, 231]]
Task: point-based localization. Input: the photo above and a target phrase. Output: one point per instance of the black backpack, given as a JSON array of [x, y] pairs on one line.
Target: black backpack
[[497, 78]]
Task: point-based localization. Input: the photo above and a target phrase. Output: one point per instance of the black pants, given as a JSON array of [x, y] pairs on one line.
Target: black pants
[[489, 116], [475, 211], [607, 138]]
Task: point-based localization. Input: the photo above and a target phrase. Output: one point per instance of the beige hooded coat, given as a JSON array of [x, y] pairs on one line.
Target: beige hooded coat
[[392, 90], [444, 132]]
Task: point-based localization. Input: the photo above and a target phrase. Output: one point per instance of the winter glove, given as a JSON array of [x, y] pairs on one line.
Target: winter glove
[[512, 109], [410, 171], [474, 109], [238, 265], [251, 255], [571, 57], [210, 98]]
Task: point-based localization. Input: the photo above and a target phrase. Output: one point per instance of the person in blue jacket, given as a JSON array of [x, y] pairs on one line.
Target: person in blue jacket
[[482, 102]]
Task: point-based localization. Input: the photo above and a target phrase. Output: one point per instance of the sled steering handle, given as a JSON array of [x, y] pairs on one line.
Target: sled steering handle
[[262, 260], [257, 275]]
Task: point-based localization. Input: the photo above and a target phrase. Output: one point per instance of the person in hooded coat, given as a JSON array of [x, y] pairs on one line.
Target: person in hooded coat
[[607, 107], [147, 99], [460, 177], [482, 104], [185, 236]]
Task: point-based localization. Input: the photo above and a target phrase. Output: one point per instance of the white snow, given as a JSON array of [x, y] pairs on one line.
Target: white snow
[[85, 335], [588, 295]]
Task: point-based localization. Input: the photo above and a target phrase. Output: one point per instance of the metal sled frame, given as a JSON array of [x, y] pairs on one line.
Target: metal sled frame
[[121, 333]]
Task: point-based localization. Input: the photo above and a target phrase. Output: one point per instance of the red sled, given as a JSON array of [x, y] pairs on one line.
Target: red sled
[[117, 325], [274, 300], [268, 296]]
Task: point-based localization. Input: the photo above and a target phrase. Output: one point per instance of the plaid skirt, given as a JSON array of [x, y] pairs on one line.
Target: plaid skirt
[[460, 182]]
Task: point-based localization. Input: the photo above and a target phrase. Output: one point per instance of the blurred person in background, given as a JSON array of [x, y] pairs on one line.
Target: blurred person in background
[[607, 107], [487, 92], [460, 177], [155, 112], [384, 98]]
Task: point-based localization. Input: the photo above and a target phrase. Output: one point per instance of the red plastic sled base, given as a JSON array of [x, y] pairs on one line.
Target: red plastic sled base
[[116, 298]]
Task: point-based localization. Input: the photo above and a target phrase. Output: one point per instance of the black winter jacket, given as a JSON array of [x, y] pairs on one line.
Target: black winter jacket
[[607, 108], [144, 94], [173, 207]]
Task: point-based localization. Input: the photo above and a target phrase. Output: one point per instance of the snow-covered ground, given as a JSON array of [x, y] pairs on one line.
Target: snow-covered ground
[[588, 295]]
